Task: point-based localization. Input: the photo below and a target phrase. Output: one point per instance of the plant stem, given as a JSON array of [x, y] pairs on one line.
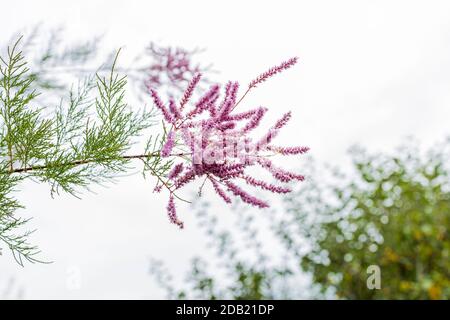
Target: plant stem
[[85, 161], [242, 98]]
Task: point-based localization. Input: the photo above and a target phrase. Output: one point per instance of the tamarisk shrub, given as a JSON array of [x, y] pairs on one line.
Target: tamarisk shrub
[[87, 139], [217, 143]]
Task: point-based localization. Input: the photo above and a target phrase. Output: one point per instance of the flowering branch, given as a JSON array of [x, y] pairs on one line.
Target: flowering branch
[[220, 142], [88, 139]]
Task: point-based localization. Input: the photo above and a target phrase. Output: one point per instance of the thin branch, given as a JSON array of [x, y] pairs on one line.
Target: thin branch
[[242, 98], [87, 161]]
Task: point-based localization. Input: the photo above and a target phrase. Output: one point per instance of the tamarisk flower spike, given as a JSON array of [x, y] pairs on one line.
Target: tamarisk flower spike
[[245, 196], [279, 173], [266, 186], [172, 213], [228, 102], [175, 172], [273, 132], [190, 90], [288, 150], [220, 191], [185, 178], [171, 68], [273, 71], [255, 120], [174, 110], [168, 146], [221, 145], [205, 101], [283, 121], [160, 105]]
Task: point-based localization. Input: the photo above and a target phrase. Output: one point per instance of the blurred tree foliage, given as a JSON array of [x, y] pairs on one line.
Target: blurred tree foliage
[[388, 210], [394, 213]]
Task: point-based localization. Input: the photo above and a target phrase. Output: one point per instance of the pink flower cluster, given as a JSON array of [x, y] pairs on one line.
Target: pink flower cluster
[[170, 66], [219, 144]]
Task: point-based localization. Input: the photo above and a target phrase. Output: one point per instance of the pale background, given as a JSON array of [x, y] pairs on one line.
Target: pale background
[[370, 72]]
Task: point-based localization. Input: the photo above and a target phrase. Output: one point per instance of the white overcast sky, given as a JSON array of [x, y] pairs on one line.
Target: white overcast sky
[[370, 72]]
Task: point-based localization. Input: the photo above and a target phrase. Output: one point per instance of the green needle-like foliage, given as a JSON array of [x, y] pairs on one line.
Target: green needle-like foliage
[[83, 140]]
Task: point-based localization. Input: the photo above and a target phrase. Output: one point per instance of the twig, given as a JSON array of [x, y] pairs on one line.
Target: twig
[[86, 161]]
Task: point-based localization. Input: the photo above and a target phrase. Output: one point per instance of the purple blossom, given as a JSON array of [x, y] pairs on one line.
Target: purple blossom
[[203, 104], [288, 150], [172, 213], [266, 186], [255, 120], [168, 146], [226, 126], [186, 177], [246, 197], [266, 139], [220, 144], [229, 101], [220, 191], [174, 110], [171, 67], [160, 105], [273, 71], [283, 121], [175, 172], [188, 138], [278, 173], [242, 115], [190, 90], [273, 132]]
